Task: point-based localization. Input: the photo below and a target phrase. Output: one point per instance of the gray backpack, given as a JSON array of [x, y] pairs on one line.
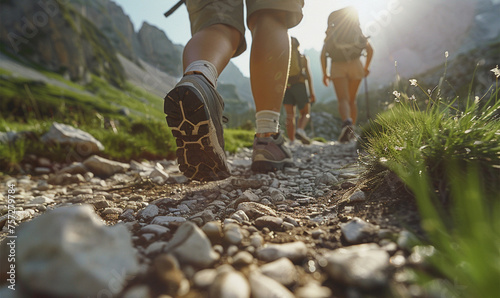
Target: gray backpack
[[345, 40]]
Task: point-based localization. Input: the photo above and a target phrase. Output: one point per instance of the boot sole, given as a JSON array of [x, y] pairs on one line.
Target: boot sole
[[199, 154]]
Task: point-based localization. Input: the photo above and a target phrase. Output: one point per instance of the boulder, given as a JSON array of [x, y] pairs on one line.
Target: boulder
[[70, 252], [84, 143]]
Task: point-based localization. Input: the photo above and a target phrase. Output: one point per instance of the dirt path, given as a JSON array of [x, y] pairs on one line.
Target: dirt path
[[315, 230]]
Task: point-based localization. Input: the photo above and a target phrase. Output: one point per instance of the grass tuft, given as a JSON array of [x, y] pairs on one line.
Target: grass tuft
[[448, 154]]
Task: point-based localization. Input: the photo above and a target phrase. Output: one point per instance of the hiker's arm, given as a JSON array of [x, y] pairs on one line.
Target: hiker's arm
[[369, 56], [312, 95], [326, 77]]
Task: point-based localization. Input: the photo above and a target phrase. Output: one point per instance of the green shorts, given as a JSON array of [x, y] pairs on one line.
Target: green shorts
[[204, 13], [296, 95]]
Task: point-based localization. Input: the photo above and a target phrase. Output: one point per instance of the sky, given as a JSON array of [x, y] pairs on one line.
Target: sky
[[310, 32]]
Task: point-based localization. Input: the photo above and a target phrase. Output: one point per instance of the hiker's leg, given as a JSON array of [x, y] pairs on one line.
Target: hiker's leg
[[216, 43], [341, 86], [290, 121], [269, 58], [353, 91], [304, 116], [218, 31]]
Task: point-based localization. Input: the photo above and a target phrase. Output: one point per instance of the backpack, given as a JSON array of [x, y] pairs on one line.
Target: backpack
[[296, 72], [344, 39]]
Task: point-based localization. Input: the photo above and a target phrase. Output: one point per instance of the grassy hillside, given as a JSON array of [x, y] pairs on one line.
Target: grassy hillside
[[127, 120]]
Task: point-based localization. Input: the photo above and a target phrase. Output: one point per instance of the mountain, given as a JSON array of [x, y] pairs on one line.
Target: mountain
[[417, 34], [79, 39], [58, 38]]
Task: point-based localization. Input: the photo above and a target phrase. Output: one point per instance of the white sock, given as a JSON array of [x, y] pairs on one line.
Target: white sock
[[208, 70], [267, 121]]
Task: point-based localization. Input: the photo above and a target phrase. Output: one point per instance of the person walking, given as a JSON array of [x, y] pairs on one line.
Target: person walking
[[343, 45], [296, 95], [194, 108]]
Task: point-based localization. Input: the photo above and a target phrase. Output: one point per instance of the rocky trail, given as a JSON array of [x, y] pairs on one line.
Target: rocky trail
[[100, 228]]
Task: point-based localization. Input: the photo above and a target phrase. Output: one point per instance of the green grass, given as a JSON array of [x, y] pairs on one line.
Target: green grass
[[450, 160], [96, 108], [235, 139]]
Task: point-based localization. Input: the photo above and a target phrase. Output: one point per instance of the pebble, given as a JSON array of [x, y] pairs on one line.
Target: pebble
[[232, 234], [357, 196], [191, 246], [213, 230], [166, 220], [254, 210], [204, 278], [168, 276], [112, 211], [41, 200], [256, 240], [326, 179], [242, 258], [272, 222], [240, 216], [265, 287], [364, 265], [230, 284], [281, 270], [358, 231], [295, 251], [155, 229], [148, 213]]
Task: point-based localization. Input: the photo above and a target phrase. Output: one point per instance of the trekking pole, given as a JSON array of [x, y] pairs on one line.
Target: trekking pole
[[367, 102], [174, 8]]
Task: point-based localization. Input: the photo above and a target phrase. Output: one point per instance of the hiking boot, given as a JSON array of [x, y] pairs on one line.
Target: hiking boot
[[347, 133], [194, 114], [270, 154], [301, 135]]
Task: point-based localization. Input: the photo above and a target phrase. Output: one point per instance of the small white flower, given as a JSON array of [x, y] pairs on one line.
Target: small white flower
[[413, 82], [396, 93], [383, 159], [476, 99], [429, 91], [399, 148], [496, 72], [446, 54], [413, 97]]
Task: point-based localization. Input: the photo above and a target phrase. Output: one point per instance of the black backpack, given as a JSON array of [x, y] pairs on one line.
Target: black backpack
[[344, 40]]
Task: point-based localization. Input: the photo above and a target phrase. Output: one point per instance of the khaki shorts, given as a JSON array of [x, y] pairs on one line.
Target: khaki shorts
[[204, 13], [350, 69]]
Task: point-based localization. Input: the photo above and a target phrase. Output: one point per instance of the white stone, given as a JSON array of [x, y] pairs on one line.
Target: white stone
[[70, 252], [103, 167], [265, 287], [41, 200], [149, 212], [233, 234], [191, 246], [294, 251], [166, 220], [281, 270], [230, 284], [326, 178], [358, 196], [357, 230], [64, 134], [204, 278], [364, 265], [158, 173]]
